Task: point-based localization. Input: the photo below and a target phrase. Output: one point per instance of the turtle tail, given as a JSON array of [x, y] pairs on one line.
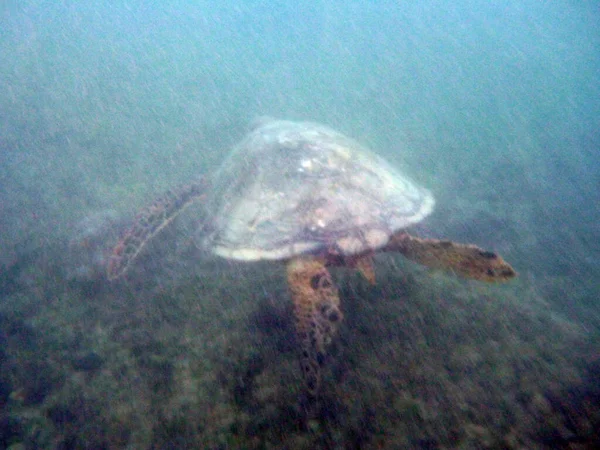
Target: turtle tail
[[148, 223], [317, 312]]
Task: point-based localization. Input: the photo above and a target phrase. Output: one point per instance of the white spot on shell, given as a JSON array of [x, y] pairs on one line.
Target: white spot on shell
[[350, 245], [376, 238], [306, 164]]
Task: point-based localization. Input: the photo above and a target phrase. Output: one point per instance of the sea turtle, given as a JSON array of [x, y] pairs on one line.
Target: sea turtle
[[305, 194]]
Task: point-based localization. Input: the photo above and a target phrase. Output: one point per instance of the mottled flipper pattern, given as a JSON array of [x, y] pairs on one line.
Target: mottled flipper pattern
[[317, 312], [468, 261], [148, 223]]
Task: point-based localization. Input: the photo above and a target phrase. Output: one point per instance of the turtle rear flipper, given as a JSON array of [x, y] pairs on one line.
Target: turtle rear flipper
[[317, 311], [148, 223], [465, 260]]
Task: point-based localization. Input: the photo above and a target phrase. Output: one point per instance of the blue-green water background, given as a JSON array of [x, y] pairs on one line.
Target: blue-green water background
[[494, 106]]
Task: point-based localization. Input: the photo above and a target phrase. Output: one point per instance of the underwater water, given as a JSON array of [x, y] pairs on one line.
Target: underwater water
[[494, 107]]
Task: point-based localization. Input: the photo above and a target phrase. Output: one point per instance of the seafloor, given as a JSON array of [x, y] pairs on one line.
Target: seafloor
[[191, 352]]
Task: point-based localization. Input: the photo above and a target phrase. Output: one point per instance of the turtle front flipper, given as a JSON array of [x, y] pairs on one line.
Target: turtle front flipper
[[317, 312], [148, 223], [466, 260]]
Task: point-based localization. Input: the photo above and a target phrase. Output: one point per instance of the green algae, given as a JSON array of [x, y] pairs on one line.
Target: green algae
[[210, 361]]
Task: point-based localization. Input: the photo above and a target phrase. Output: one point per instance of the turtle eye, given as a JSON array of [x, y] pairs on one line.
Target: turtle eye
[[488, 255]]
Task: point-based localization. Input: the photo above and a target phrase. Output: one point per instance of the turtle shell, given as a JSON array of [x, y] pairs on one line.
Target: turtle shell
[[291, 188]]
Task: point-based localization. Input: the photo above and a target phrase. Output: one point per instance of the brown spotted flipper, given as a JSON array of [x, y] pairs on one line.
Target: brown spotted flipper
[[465, 260], [317, 311], [148, 223], [363, 263]]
